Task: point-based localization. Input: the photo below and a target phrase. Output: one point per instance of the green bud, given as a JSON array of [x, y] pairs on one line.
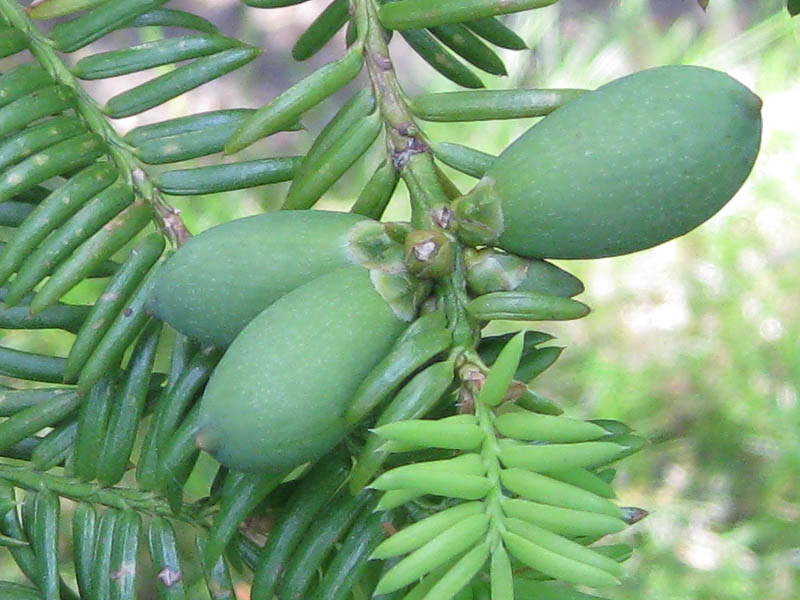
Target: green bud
[[403, 292], [479, 215], [398, 230], [428, 254], [489, 270], [372, 247]]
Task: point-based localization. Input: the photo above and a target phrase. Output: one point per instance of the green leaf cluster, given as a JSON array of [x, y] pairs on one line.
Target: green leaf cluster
[[457, 480]]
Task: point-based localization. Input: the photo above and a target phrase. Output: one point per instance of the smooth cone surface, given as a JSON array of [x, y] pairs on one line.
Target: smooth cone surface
[[277, 396], [641, 160], [217, 282]]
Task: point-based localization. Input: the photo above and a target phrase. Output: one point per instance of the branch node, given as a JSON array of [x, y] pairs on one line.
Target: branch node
[[383, 62], [400, 158]]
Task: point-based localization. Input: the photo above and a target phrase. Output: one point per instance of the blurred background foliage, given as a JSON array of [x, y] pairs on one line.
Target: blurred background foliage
[[694, 343]]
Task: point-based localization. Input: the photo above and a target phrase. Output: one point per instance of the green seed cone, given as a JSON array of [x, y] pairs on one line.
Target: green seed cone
[[276, 398], [640, 161], [215, 284]]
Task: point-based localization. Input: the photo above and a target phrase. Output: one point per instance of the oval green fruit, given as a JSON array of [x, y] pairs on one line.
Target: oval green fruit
[[217, 282], [639, 161], [276, 398]]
